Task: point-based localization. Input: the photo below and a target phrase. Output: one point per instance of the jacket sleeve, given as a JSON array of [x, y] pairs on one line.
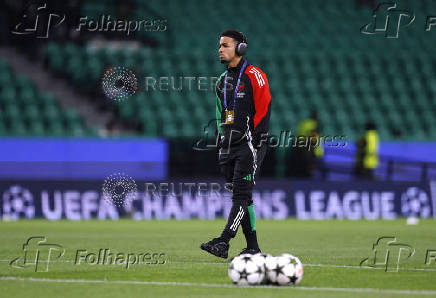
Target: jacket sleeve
[[219, 107], [262, 105], [219, 110]]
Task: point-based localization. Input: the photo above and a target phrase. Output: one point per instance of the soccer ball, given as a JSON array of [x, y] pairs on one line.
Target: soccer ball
[[285, 269], [260, 260], [271, 269], [243, 270], [298, 266]]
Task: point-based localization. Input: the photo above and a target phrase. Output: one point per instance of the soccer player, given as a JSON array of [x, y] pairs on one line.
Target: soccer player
[[243, 112]]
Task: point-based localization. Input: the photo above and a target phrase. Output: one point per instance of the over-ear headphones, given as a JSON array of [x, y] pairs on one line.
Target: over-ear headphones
[[241, 47]]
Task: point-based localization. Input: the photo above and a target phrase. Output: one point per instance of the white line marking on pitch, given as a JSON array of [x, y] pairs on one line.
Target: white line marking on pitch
[[223, 263], [209, 285], [319, 265]]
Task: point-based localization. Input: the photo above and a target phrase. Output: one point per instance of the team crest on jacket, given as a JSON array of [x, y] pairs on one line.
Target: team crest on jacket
[[240, 93], [241, 87]]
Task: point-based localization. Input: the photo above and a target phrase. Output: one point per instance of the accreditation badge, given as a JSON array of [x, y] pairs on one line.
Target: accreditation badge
[[230, 116]]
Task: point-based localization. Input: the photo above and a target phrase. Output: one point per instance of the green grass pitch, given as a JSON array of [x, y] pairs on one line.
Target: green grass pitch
[[331, 252]]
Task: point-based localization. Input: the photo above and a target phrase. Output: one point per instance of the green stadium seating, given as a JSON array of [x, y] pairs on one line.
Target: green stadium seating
[[26, 112], [312, 62]]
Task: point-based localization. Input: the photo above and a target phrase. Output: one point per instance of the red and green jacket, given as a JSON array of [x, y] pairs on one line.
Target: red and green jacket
[[253, 106]]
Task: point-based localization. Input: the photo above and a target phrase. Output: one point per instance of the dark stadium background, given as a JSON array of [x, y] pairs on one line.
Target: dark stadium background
[[108, 147], [60, 131]]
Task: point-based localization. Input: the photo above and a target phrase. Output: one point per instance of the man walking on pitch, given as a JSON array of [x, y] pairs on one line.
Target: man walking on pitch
[[243, 112]]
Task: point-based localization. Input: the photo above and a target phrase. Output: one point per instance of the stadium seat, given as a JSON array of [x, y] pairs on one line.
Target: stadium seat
[[27, 112], [366, 79]]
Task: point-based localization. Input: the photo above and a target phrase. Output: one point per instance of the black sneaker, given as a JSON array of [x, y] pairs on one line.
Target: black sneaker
[[217, 247], [250, 251]]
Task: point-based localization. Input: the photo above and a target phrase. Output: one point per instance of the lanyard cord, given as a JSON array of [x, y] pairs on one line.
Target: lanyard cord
[[236, 88]]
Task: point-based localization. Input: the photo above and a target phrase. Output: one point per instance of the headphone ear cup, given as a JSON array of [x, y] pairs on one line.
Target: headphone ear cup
[[241, 48]]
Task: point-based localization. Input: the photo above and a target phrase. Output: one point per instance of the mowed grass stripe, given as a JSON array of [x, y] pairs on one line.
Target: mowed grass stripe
[[211, 285]]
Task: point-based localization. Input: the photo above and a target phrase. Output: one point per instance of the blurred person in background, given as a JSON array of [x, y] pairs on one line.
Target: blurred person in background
[[367, 158], [305, 159]]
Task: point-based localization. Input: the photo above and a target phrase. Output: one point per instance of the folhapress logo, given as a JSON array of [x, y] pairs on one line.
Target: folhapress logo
[[38, 20], [388, 20], [388, 254], [38, 254]]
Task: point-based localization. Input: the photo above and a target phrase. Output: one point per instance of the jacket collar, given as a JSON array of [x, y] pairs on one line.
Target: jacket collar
[[238, 67]]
